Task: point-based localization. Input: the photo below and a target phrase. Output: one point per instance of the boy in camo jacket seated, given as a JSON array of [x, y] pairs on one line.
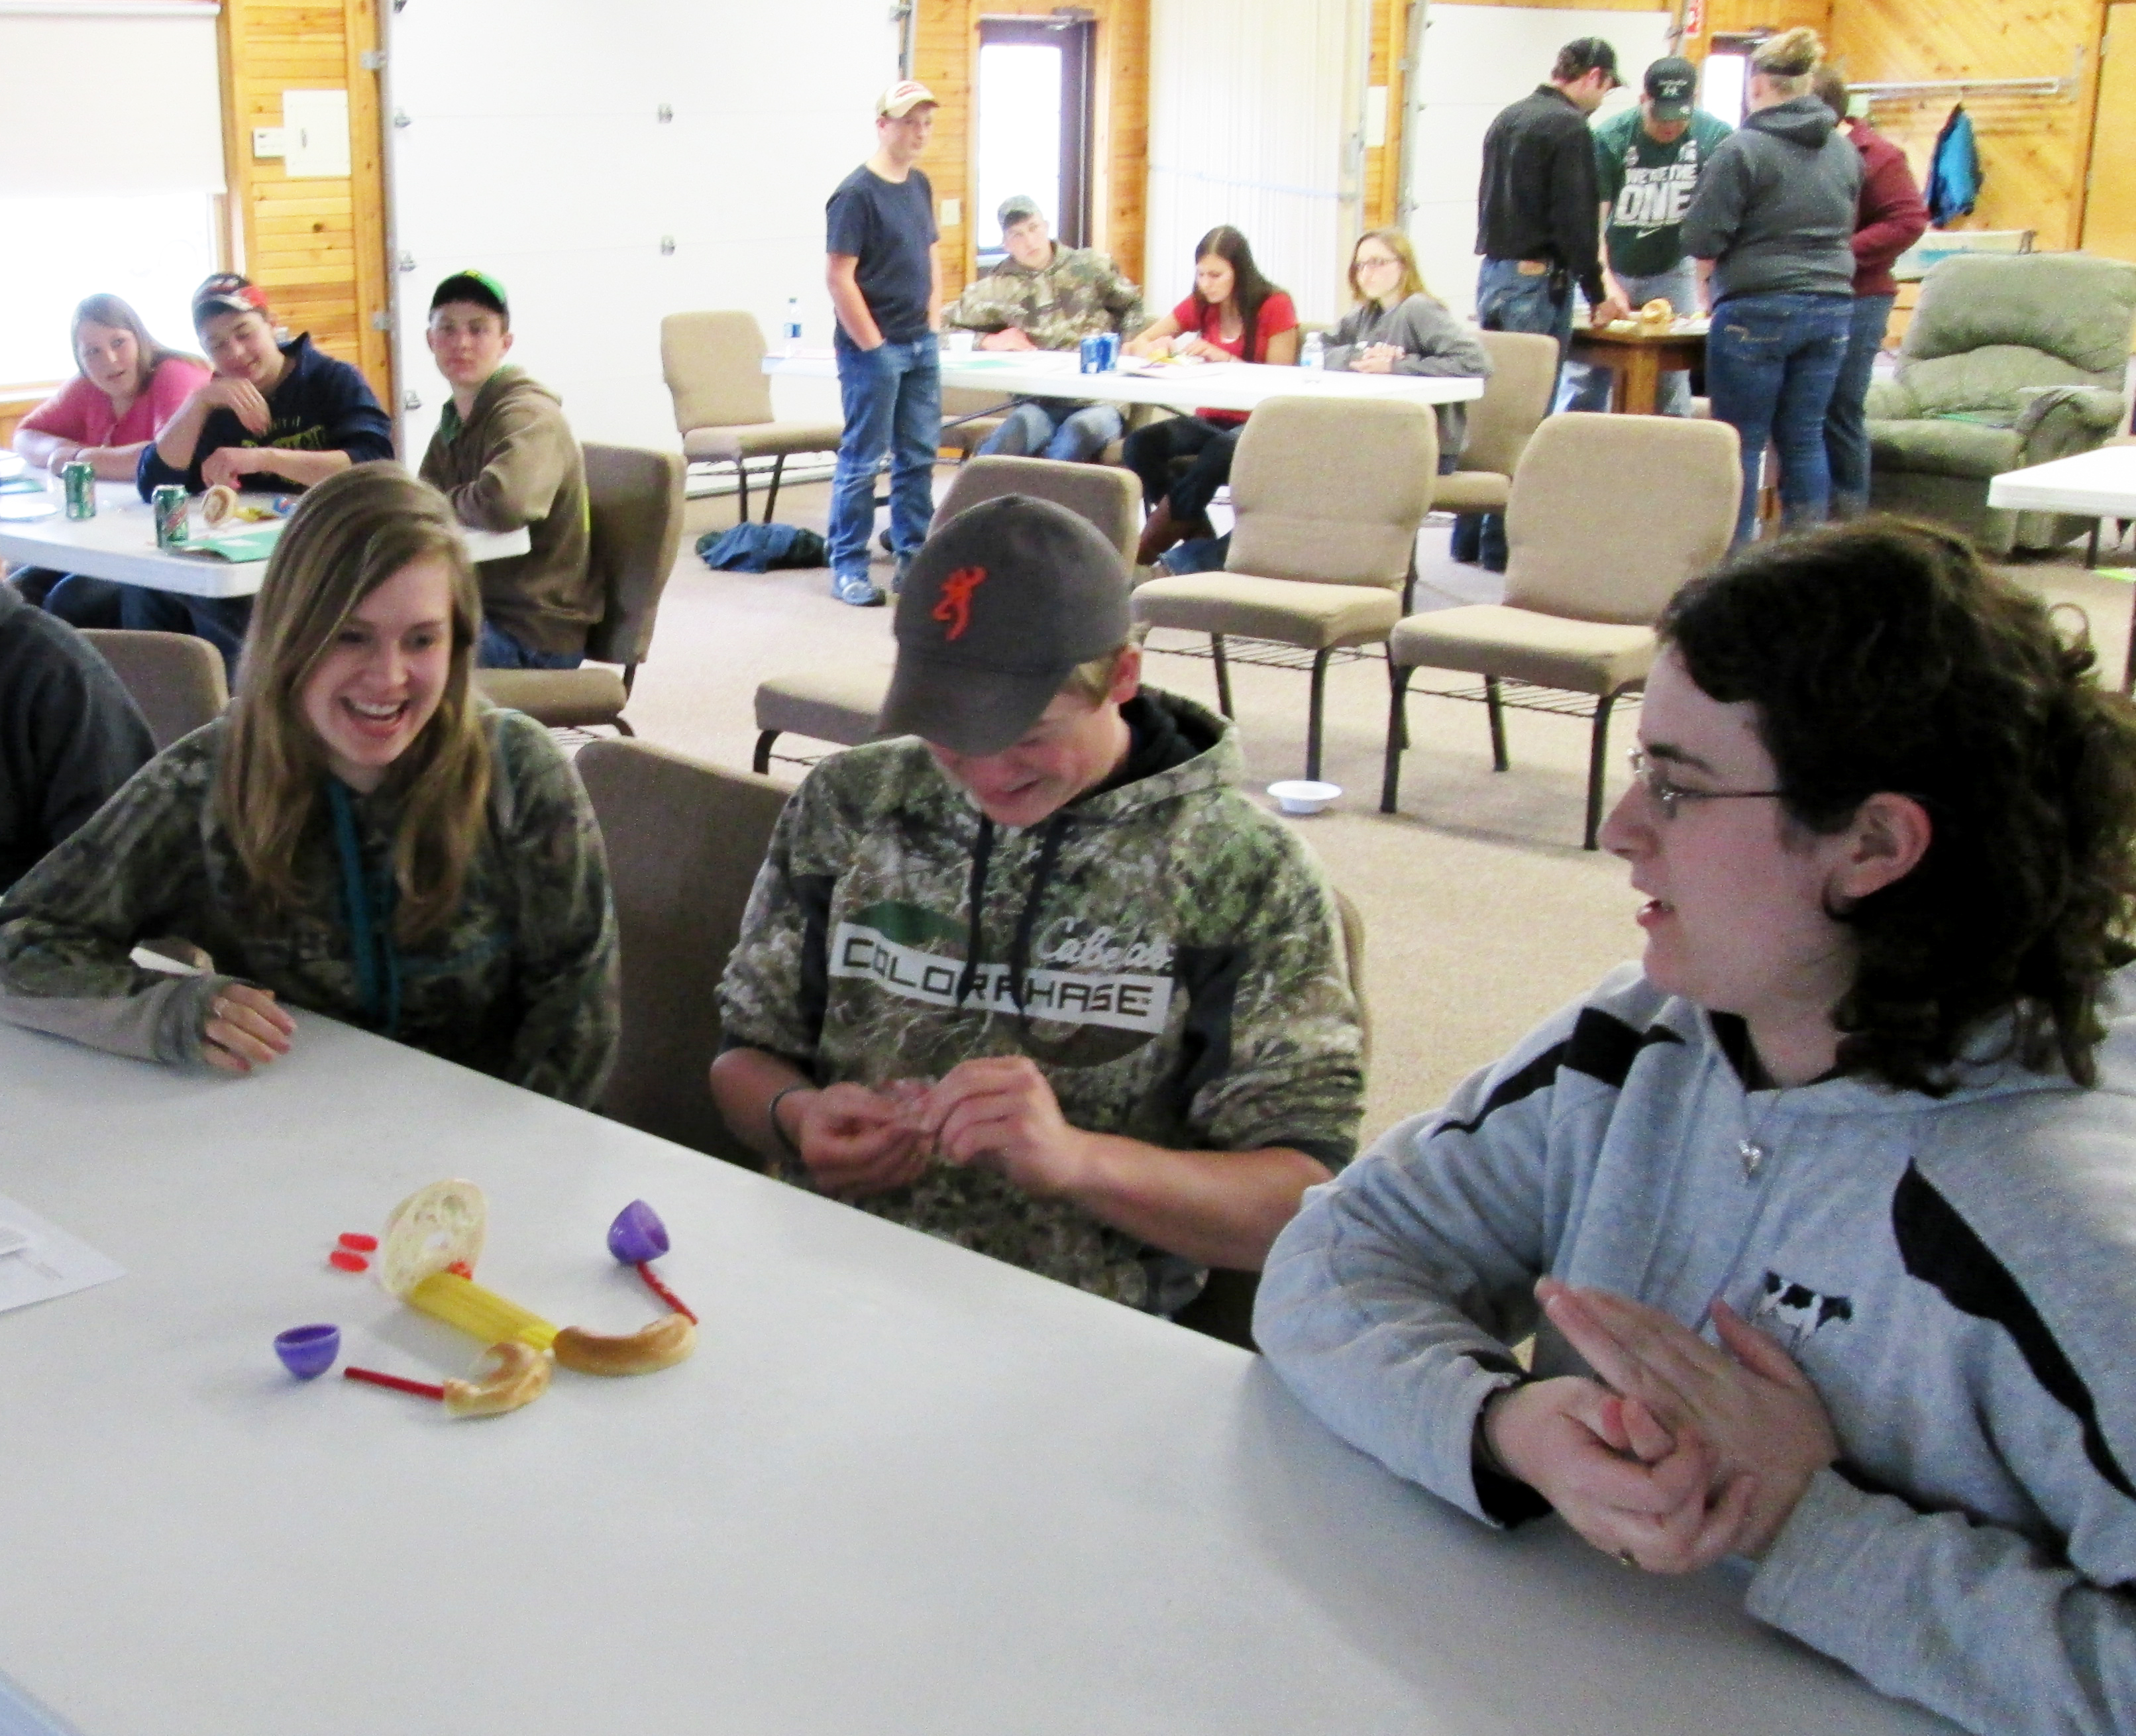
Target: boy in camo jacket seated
[[1043, 982], [1048, 297]]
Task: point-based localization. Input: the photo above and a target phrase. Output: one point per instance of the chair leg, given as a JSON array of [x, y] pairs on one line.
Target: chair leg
[[741, 484], [1397, 733], [777, 470], [1598, 754], [623, 727], [760, 761], [1223, 674], [1495, 704], [1313, 717]]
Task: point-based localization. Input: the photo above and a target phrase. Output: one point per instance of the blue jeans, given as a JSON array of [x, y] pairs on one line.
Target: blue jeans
[[1588, 388], [1508, 299], [497, 649], [892, 396], [1056, 428], [1771, 361], [79, 600], [220, 620], [1847, 423]]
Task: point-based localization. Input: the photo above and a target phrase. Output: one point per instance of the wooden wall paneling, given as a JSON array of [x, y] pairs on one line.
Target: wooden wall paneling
[[316, 245], [1389, 36], [945, 59], [2034, 150], [2110, 205], [1744, 17]]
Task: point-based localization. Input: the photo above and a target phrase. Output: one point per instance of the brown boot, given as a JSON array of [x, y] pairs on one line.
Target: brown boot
[[1159, 532]]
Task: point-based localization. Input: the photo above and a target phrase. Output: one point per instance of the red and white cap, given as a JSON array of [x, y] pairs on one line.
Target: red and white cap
[[902, 98]]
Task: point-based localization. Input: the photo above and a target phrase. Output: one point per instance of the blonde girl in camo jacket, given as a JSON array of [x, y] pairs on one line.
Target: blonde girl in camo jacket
[[360, 836]]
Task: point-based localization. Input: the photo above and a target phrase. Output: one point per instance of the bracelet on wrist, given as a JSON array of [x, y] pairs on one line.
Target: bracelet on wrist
[[778, 1128]]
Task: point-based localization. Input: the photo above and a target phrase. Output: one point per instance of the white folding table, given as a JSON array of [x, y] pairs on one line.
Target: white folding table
[[119, 543], [900, 1487], [2101, 484], [1203, 385]]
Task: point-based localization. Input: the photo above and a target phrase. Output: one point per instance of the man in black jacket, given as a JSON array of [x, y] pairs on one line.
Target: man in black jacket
[[1538, 228], [70, 734]]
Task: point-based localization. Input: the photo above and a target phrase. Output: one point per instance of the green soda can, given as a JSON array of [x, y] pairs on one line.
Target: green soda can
[[168, 504], [78, 477]]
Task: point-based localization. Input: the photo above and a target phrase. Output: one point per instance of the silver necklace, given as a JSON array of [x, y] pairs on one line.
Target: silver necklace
[[1751, 1150]]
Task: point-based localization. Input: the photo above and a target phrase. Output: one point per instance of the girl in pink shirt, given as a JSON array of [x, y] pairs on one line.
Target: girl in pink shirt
[[129, 385]]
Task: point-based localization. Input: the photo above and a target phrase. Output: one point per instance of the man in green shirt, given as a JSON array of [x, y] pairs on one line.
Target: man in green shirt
[[1648, 161]]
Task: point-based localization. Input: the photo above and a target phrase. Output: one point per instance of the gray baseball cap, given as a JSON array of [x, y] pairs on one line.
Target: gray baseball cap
[[998, 607], [1017, 208]]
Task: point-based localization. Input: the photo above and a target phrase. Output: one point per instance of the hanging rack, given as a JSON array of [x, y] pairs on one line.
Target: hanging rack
[[2055, 87]]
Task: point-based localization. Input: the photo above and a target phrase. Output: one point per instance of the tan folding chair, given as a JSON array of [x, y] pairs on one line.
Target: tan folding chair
[[965, 422], [1516, 399], [684, 840], [634, 497], [1328, 495], [178, 680], [714, 366], [841, 704], [1609, 515]]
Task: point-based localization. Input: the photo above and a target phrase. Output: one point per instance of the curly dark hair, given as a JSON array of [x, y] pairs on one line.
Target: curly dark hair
[[1885, 656]]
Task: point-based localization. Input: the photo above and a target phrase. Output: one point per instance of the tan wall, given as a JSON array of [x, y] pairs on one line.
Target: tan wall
[[2034, 151], [945, 58], [317, 246]]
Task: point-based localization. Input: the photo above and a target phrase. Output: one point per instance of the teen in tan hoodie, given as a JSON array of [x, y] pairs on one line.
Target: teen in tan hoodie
[[505, 457]]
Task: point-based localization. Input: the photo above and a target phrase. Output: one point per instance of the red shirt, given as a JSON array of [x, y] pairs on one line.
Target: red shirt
[[1889, 217], [1277, 316], [80, 412]]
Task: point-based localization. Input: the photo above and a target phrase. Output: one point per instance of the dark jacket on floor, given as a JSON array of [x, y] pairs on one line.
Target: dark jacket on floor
[[1538, 199], [514, 462], [320, 406], [70, 734]]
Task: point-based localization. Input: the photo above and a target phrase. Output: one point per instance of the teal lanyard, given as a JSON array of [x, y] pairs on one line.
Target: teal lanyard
[[369, 913]]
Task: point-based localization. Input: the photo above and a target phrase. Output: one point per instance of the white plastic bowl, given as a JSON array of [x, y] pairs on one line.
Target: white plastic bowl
[[1303, 795]]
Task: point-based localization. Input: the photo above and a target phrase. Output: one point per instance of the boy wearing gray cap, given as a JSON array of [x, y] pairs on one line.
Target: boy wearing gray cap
[[1043, 982]]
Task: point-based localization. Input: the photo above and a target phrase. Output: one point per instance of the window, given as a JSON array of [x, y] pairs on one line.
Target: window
[[1034, 125], [1726, 82]]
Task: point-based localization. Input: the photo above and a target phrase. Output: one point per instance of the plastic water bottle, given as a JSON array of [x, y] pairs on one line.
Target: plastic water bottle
[[1314, 353], [791, 333]]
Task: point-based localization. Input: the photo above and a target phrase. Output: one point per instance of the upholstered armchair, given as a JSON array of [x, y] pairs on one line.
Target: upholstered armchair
[[2010, 360]]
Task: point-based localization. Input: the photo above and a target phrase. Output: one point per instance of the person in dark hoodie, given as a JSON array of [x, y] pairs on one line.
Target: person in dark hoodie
[[360, 834], [505, 457], [1889, 218], [275, 417], [1043, 982], [1773, 220], [70, 733]]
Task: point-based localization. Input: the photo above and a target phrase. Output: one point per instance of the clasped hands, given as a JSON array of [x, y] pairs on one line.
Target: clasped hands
[[1680, 1452], [997, 1113]]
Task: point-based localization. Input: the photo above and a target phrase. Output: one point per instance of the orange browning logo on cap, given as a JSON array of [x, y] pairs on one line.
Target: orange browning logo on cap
[[954, 604]]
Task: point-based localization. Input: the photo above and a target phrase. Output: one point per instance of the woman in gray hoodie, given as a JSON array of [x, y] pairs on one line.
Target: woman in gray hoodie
[[1398, 326], [1773, 220]]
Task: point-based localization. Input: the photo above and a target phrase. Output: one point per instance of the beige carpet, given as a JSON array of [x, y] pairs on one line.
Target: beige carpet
[[1482, 913]]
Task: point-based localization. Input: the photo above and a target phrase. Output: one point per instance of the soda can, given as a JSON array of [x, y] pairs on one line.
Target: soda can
[[78, 477], [1112, 342], [168, 504], [1091, 357]]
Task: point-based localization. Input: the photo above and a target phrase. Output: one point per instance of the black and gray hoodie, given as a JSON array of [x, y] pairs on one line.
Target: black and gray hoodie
[[1775, 210], [1953, 1274]]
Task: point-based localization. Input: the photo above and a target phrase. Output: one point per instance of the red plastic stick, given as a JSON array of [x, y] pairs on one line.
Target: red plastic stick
[[652, 1282], [421, 1388]]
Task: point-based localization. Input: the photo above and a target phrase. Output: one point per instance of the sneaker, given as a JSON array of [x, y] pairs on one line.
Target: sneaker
[[855, 588], [888, 546], [897, 577]]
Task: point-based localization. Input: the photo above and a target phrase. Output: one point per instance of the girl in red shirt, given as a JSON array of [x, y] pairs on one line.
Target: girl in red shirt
[[128, 387], [1233, 315]]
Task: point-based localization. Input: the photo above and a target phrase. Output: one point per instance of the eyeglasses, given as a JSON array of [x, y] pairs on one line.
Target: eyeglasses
[[1666, 794]]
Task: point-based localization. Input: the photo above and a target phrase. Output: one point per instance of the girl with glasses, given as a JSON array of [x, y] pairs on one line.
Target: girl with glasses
[[1398, 326]]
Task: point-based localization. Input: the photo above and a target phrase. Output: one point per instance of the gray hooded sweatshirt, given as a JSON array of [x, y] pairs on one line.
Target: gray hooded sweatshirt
[[1954, 1275], [1775, 210]]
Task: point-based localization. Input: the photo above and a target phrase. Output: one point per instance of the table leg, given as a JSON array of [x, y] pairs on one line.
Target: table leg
[[1642, 380], [2128, 657], [2091, 546]]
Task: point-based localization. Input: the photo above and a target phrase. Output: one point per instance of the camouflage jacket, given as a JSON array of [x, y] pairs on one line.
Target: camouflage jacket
[[1080, 294], [521, 983], [1185, 984]]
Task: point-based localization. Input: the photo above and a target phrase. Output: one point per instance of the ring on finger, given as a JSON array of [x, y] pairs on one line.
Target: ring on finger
[[1626, 1558]]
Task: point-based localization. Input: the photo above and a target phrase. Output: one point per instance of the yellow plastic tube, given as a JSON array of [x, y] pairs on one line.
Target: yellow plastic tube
[[483, 1314]]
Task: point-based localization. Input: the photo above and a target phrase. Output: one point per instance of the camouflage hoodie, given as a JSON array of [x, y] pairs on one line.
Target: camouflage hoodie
[[1077, 296], [1175, 950], [521, 983]]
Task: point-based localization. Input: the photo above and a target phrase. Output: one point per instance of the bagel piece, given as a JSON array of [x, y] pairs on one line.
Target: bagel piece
[[661, 1345]]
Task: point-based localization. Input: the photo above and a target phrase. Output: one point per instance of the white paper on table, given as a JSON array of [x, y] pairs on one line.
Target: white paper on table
[[22, 1716], [53, 1264]]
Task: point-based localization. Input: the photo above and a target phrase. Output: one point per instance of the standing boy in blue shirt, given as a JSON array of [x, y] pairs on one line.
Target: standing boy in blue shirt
[[886, 290]]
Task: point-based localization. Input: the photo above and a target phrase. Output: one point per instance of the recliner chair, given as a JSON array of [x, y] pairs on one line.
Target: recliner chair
[[2010, 360]]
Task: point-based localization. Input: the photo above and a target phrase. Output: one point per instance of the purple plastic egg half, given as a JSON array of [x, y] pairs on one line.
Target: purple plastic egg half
[[307, 1352], [637, 1234]]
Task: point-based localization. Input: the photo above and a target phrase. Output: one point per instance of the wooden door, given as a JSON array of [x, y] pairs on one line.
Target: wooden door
[[2109, 208]]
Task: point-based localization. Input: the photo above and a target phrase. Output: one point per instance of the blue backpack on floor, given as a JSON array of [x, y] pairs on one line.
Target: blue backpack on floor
[[760, 547]]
